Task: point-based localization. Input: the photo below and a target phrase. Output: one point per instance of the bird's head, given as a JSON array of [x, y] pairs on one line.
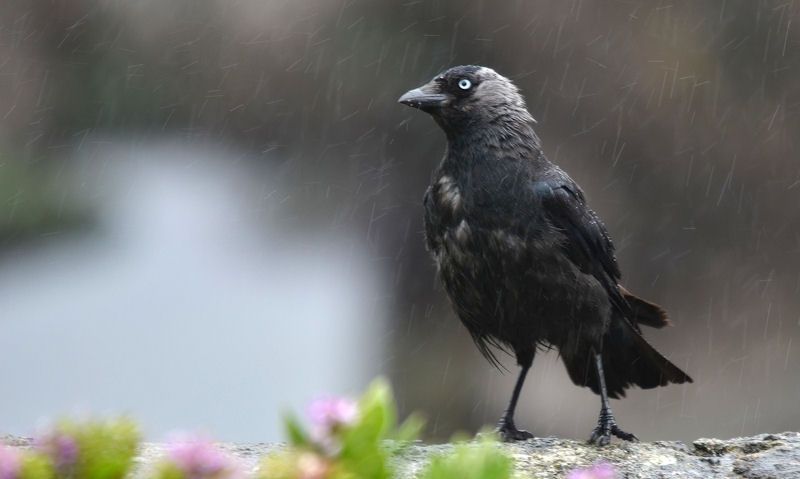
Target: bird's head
[[467, 97]]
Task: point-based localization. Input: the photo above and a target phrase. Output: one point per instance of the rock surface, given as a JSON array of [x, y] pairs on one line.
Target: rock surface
[[758, 457]]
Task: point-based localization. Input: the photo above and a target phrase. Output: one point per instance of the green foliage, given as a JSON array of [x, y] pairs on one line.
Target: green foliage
[[359, 449], [296, 434], [363, 450], [297, 464], [345, 440], [106, 449], [168, 470], [471, 461], [348, 449], [35, 466]]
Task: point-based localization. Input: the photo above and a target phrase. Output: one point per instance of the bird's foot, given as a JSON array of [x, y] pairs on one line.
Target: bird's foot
[[509, 433], [607, 427]]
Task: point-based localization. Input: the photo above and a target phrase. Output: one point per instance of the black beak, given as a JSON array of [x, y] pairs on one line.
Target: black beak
[[424, 98]]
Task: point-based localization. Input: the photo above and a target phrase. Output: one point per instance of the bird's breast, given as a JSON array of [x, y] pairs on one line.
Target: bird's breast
[[448, 196]]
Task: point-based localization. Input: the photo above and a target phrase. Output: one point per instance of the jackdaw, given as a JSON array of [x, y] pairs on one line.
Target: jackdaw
[[525, 262]]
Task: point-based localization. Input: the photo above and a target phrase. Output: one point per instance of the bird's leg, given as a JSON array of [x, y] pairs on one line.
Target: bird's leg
[[606, 425], [505, 427]]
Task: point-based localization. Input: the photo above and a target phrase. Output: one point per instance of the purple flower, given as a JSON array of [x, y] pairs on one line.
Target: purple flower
[[331, 412], [10, 462], [328, 415], [61, 448], [198, 458], [601, 470]]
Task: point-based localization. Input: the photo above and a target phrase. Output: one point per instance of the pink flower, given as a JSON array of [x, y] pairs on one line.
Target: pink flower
[[327, 416], [331, 412], [198, 458], [602, 470], [60, 448], [10, 462], [311, 466]]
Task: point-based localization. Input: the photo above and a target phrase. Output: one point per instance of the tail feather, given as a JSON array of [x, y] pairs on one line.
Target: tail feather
[[628, 359], [645, 312]]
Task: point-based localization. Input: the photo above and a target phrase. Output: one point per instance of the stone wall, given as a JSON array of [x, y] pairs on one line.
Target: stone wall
[[758, 457]]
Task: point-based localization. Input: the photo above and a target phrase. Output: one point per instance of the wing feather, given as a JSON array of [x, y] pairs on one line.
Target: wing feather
[[588, 244]]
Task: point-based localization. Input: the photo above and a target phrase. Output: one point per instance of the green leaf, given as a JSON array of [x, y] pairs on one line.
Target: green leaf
[[377, 415], [296, 433], [35, 466], [363, 453], [105, 448], [167, 470], [410, 429], [471, 461], [359, 450]]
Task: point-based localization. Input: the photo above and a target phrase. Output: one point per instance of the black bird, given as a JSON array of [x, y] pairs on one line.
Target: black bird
[[525, 262]]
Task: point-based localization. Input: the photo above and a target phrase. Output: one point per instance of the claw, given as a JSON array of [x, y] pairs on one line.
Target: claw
[[600, 437], [596, 435], [625, 436], [509, 433], [607, 427]]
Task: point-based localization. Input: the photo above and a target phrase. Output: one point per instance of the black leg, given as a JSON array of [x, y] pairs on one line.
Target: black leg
[[606, 425], [506, 428]]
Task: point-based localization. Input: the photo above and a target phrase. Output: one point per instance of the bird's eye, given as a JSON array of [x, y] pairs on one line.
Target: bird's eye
[[464, 84]]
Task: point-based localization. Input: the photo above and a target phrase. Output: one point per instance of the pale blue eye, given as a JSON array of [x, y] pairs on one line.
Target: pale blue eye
[[464, 84]]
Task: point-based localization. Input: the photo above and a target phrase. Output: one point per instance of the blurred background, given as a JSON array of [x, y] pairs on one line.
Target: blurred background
[[210, 210]]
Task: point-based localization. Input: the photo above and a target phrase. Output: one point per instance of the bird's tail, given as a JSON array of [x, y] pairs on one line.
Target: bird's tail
[[645, 312], [628, 359]]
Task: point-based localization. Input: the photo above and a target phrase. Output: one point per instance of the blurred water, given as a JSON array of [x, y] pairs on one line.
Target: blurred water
[[187, 307]]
